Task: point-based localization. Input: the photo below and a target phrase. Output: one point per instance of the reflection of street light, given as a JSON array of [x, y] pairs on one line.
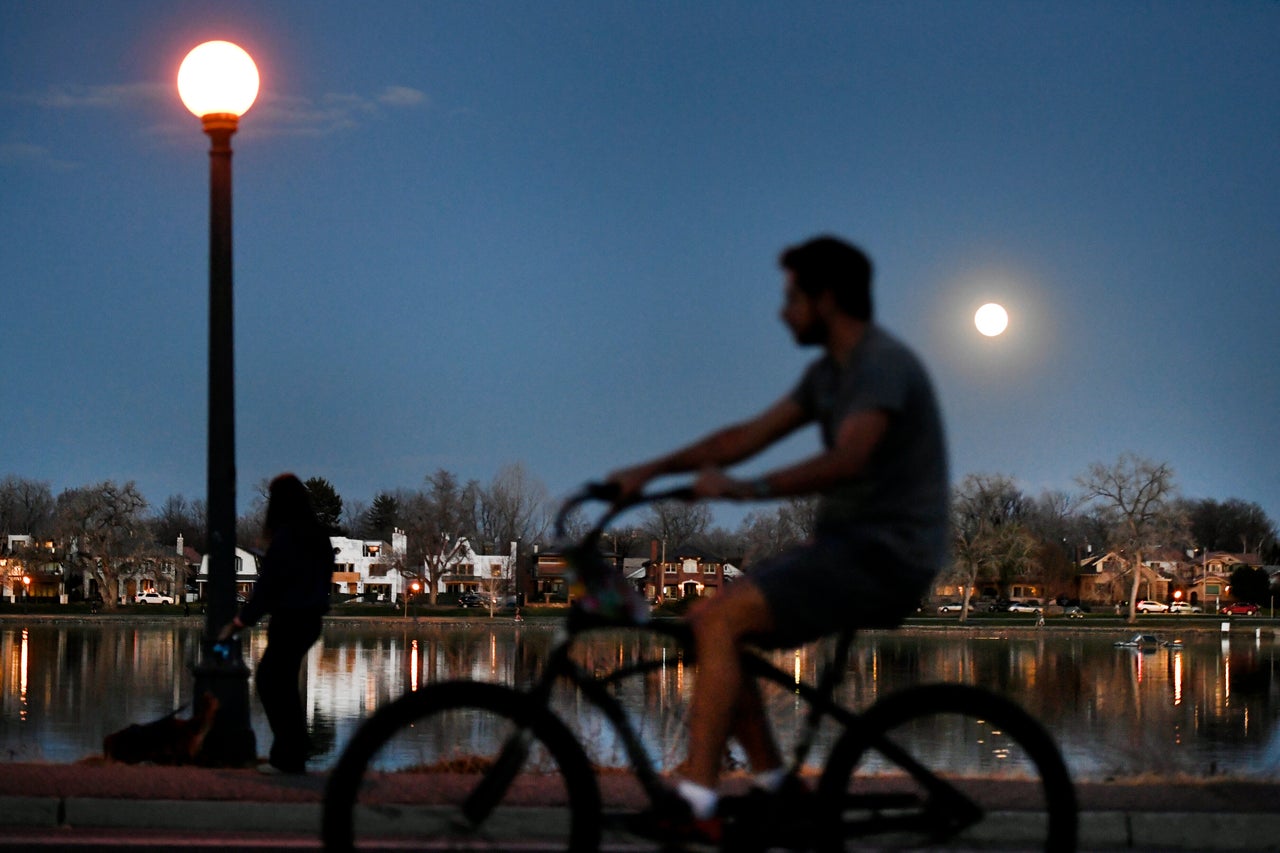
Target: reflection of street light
[[218, 82]]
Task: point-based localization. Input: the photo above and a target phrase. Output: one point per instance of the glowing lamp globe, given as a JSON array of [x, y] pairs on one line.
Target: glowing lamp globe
[[218, 78]]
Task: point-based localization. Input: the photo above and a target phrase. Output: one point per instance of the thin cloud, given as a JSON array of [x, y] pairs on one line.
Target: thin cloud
[[332, 113], [273, 114], [402, 96], [27, 155], [112, 96]]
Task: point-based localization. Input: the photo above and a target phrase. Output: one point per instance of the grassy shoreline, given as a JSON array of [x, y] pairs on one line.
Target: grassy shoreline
[[551, 614]]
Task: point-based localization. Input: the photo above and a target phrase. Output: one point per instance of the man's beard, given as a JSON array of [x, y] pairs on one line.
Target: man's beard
[[815, 334]]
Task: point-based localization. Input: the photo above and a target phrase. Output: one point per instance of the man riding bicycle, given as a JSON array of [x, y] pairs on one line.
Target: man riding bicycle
[[881, 531]]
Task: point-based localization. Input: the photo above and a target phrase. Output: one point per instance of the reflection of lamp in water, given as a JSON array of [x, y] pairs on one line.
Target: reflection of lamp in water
[[218, 82], [22, 677], [413, 665], [1177, 677]]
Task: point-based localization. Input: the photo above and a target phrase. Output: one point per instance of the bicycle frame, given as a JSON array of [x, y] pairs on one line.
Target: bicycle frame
[[561, 667], [818, 697]]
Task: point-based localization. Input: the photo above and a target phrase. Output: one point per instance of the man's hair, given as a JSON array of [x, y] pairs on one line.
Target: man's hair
[[829, 263]]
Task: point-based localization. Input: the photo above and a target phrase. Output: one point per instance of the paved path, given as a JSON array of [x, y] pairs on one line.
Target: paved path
[[1144, 814]]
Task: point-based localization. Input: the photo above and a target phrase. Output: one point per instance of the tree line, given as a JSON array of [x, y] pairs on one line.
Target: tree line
[[1000, 534], [1131, 508]]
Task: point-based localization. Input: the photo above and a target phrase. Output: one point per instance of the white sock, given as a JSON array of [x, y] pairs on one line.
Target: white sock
[[701, 799], [770, 780]]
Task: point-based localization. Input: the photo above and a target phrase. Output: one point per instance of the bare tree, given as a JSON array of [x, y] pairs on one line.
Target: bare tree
[[103, 530], [1139, 500], [179, 517], [26, 506], [1219, 526], [989, 538], [676, 523], [436, 520], [515, 507], [249, 525], [770, 531]]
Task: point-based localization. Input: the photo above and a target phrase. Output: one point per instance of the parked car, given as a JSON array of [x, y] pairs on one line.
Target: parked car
[[1184, 607], [152, 597], [1031, 606], [950, 607], [1075, 611], [1240, 608], [472, 599], [1148, 606]]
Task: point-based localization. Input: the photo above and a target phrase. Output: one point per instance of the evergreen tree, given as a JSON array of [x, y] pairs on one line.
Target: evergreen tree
[[327, 503]]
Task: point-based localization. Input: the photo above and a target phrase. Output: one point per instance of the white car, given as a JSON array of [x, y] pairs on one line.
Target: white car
[[1032, 606], [1146, 606], [1184, 607], [950, 607], [152, 597]]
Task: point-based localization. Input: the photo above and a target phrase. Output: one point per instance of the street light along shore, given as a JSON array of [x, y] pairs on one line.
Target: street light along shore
[[218, 82]]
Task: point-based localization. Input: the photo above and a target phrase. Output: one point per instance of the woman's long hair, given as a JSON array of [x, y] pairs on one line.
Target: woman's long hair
[[289, 506]]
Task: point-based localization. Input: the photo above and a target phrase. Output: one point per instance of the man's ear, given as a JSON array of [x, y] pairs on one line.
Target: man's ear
[[825, 303]]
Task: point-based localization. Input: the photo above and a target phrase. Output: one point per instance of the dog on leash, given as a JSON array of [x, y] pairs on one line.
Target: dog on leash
[[168, 740]]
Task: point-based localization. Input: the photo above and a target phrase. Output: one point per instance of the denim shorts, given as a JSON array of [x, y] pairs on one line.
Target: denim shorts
[[836, 581]]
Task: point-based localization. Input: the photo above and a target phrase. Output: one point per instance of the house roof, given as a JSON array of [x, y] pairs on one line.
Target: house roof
[[693, 550]]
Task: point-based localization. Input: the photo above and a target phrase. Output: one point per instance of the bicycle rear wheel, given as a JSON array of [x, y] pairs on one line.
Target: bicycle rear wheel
[[467, 763], [947, 762]]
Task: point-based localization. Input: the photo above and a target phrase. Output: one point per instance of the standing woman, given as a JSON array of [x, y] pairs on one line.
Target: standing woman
[[293, 587]]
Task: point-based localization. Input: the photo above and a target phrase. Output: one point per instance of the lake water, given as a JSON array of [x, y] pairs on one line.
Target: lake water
[[1210, 707]]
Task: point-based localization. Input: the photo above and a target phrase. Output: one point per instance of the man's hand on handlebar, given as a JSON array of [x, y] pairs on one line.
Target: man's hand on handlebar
[[715, 483], [629, 482], [710, 483]]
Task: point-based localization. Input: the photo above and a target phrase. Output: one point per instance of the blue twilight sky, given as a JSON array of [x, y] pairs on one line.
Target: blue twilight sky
[[475, 233]]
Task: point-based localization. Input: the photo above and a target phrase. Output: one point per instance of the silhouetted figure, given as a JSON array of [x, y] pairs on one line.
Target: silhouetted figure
[[881, 532], [293, 587]]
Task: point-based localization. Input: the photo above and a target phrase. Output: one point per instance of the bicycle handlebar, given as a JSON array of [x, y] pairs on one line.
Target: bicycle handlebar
[[609, 493]]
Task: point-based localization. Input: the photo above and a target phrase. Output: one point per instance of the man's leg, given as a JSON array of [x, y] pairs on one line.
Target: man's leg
[[721, 702]]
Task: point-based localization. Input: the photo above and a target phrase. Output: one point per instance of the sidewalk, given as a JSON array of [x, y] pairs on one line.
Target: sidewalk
[[1146, 814]]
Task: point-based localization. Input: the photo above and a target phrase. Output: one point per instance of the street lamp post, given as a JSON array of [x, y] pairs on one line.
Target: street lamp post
[[411, 592], [218, 82]]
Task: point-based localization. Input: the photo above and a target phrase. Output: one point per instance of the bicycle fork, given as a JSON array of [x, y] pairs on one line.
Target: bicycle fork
[[940, 806], [493, 786]]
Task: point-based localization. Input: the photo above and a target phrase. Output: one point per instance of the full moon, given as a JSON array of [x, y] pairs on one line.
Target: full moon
[[991, 319]]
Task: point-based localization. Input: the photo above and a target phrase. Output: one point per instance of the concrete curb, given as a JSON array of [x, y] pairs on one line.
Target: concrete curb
[[1099, 830]]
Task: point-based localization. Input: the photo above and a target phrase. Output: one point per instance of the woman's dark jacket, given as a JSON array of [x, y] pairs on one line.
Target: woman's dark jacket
[[296, 574]]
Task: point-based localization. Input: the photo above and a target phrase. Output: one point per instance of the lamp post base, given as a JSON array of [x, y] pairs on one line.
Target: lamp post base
[[230, 741]]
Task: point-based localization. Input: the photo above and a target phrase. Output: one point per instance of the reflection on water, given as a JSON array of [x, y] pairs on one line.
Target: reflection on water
[[1208, 707]]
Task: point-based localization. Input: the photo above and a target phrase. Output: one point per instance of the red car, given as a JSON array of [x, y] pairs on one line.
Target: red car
[[1240, 609]]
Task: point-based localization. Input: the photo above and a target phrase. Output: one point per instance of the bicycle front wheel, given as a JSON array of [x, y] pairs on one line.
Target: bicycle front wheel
[[479, 765], [947, 762]]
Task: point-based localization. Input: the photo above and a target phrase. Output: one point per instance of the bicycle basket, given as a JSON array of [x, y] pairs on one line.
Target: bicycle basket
[[600, 591]]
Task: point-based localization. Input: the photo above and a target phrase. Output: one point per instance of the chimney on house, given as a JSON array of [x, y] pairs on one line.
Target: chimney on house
[[182, 545]]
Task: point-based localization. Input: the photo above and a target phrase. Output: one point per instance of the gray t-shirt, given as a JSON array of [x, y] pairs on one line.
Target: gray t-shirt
[[903, 489]]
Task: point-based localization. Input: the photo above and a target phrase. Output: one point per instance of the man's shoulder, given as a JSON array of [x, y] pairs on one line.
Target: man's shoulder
[[880, 339]]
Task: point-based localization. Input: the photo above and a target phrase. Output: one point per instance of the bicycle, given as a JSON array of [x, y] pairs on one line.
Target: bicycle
[[876, 785]]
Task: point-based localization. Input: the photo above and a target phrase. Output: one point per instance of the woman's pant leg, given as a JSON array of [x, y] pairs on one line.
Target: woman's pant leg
[[289, 637]]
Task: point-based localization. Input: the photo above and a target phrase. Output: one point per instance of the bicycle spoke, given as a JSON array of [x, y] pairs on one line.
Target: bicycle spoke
[[463, 763], [895, 778]]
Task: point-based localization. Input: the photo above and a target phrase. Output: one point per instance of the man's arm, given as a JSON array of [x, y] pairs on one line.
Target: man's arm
[[718, 449], [857, 437]]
